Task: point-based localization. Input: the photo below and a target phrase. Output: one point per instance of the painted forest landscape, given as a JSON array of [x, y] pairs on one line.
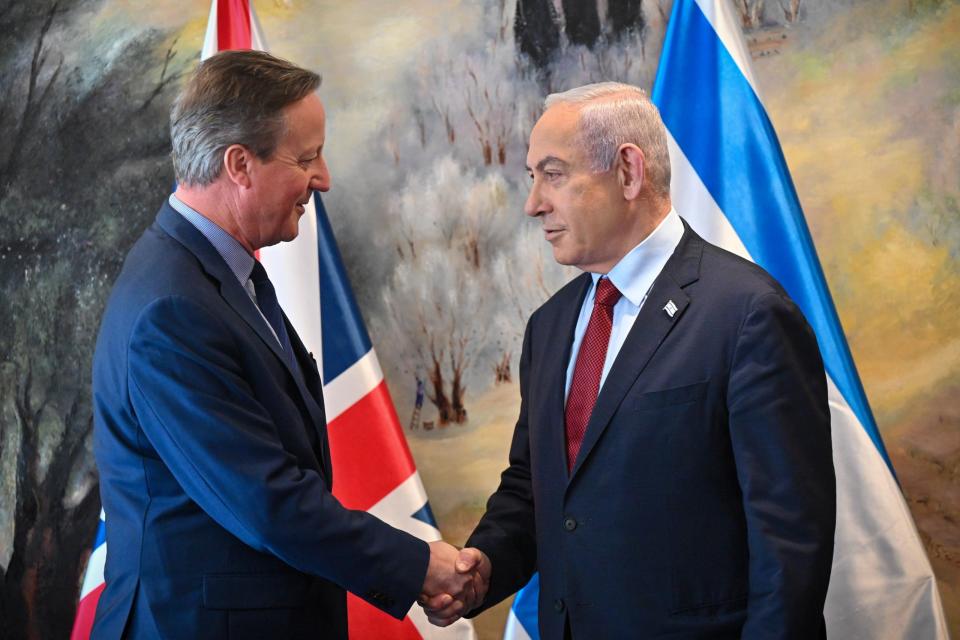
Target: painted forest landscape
[[429, 108]]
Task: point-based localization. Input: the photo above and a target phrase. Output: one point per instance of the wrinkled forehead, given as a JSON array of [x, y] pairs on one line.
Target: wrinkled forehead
[[555, 135]]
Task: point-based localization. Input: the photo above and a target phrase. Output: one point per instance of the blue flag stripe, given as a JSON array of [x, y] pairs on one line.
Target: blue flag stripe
[[101, 535], [720, 124], [525, 607], [345, 338], [425, 515]]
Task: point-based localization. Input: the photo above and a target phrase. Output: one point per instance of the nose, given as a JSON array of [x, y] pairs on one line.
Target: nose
[[536, 204], [320, 180]]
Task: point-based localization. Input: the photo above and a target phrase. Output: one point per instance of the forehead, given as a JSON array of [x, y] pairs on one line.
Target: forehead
[[555, 134], [305, 120]]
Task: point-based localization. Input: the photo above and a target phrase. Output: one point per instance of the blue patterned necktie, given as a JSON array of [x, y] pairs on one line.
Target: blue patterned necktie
[[270, 307]]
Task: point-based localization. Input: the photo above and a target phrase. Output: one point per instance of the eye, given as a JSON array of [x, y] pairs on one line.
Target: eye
[[306, 162], [552, 175]]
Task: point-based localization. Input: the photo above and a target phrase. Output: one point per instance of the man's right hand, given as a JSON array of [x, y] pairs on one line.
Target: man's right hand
[[467, 584]]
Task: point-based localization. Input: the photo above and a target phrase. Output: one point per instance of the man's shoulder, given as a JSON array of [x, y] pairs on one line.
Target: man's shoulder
[[157, 266], [157, 261], [732, 286], [729, 271]]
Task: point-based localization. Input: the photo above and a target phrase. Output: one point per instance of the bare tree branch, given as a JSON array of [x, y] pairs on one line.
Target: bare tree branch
[[791, 10], [165, 80], [31, 105], [751, 13]]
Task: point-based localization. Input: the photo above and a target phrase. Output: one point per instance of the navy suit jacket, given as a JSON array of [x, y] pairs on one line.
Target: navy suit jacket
[[702, 501], [214, 466]]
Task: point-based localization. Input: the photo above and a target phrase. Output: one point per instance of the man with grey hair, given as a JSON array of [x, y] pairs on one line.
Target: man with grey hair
[[209, 426], [671, 473]]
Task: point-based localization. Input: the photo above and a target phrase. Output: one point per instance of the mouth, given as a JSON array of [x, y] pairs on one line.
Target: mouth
[[552, 233]]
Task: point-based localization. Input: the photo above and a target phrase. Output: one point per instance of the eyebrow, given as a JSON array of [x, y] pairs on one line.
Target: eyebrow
[[550, 159]]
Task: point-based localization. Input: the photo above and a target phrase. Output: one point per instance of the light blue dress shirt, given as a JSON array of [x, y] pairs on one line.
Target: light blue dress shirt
[[633, 276], [240, 262]]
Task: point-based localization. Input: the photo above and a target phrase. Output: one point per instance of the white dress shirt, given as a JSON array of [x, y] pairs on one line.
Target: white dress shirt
[[633, 276]]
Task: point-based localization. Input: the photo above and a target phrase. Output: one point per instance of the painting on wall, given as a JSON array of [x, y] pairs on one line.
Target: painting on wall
[[866, 100], [429, 107]]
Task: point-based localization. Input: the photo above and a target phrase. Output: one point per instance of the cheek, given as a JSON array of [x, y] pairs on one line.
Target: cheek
[[293, 189], [578, 218]]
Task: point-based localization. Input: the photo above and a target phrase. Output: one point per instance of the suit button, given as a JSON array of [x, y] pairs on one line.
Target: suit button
[[558, 605], [569, 524]]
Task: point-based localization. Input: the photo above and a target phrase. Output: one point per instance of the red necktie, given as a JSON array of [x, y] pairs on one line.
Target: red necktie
[[586, 374]]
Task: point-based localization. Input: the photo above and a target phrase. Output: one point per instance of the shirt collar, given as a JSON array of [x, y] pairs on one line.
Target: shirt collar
[[240, 262], [634, 274]]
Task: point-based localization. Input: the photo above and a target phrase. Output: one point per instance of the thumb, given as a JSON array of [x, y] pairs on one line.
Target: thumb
[[467, 559]]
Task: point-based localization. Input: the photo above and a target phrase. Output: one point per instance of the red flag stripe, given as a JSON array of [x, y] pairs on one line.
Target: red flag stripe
[[86, 612], [233, 25], [366, 621], [360, 439]]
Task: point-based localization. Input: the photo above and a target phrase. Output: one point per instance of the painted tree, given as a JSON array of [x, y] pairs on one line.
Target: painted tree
[[751, 13], [791, 10], [581, 22], [72, 188], [537, 31], [439, 299]]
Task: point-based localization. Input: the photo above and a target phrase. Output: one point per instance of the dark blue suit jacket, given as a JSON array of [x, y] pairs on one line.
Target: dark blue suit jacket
[[214, 466], [702, 502]]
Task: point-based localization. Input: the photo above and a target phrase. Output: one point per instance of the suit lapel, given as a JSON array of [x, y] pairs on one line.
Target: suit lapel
[[556, 358], [230, 288], [313, 398], [237, 298], [649, 330]]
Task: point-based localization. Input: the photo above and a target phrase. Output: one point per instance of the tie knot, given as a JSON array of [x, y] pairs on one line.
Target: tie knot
[[607, 293], [259, 274]]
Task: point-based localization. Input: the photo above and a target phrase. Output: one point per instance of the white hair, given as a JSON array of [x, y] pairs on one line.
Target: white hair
[[613, 114]]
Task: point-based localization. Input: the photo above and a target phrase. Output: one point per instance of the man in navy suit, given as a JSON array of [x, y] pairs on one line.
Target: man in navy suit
[[209, 434], [671, 473]]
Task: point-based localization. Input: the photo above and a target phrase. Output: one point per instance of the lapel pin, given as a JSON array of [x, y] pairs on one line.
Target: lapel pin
[[670, 308]]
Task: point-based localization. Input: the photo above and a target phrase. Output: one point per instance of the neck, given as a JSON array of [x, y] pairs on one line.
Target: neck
[[652, 209], [646, 214], [649, 211], [215, 203]]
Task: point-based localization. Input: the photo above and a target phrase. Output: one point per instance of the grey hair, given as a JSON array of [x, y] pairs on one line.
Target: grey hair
[[613, 114], [234, 97]]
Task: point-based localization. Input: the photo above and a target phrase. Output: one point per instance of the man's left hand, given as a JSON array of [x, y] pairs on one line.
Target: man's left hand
[[443, 609]]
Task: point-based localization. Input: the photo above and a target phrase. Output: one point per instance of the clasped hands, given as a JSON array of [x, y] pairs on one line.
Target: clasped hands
[[456, 582]]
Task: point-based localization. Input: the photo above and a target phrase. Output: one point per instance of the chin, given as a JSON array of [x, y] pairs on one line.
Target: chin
[[563, 258], [293, 229]]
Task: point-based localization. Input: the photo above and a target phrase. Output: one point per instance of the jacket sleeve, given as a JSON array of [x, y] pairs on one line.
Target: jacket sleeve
[[507, 531], [200, 415], [780, 433]]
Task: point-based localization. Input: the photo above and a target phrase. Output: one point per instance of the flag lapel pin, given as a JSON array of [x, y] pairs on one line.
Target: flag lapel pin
[[670, 308]]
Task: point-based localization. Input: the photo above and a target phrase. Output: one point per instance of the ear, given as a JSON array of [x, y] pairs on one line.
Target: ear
[[237, 161], [630, 170]]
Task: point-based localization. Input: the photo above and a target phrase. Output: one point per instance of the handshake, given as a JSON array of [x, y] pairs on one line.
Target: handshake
[[456, 582]]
